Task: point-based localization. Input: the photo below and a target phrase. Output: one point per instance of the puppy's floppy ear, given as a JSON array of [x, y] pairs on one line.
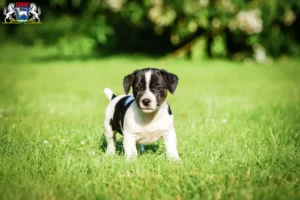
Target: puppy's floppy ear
[[127, 81], [171, 80]]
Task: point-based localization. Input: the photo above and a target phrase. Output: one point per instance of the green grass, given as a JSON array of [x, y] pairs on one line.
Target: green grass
[[255, 155]]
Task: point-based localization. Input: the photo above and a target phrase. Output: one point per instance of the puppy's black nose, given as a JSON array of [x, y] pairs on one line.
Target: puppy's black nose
[[146, 102]]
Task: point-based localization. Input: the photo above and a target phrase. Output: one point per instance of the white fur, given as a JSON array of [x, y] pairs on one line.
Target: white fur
[[108, 93], [148, 95]]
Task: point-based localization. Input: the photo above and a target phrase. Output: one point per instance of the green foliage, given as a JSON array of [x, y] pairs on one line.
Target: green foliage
[[76, 46], [242, 24]]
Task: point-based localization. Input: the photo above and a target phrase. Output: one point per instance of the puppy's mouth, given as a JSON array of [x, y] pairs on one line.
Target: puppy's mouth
[[147, 110]]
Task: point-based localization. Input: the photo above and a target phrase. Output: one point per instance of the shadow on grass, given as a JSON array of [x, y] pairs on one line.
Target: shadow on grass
[[151, 148]]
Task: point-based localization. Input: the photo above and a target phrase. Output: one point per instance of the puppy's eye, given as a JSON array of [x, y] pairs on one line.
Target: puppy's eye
[[158, 87], [137, 88]]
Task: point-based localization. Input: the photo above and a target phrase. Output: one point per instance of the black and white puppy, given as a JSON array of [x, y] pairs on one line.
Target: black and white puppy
[[145, 116]]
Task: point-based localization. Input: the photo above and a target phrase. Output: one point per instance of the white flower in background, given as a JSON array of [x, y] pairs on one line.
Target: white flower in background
[[115, 5], [289, 18], [162, 16], [259, 53], [203, 3], [92, 152], [224, 121], [82, 142], [46, 142], [154, 13], [250, 21]]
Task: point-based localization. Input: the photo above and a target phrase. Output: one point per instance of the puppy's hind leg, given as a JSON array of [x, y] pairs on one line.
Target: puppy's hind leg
[[111, 139]]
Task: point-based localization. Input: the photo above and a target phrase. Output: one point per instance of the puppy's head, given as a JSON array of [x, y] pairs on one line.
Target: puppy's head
[[150, 87]]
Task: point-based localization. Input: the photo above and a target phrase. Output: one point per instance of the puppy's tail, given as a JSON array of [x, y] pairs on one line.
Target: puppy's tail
[[110, 95]]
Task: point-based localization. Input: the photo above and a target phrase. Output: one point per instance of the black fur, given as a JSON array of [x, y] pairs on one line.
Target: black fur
[[127, 81], [113, 96], [117, 122], [169, 110], [171, 79]]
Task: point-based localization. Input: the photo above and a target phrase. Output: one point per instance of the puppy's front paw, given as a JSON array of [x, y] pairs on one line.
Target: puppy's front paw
[[174, 158], [109, 153], [131, 158], [179, 160]]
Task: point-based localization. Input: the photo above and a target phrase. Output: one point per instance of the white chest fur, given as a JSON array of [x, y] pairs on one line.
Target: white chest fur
[[147, 128], [149, 137]]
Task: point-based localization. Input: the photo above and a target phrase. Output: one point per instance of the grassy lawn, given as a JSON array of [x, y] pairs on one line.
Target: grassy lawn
[[238, 129]]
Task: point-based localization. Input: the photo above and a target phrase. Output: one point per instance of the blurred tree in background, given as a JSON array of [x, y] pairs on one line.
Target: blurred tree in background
[[228, 28]]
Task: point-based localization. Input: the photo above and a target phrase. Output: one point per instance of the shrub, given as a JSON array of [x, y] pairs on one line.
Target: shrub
[[163, 26]]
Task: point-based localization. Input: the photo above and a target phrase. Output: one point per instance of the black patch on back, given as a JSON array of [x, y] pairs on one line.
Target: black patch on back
[[169, 110], [111, 123], [113, 96], [117, 122]]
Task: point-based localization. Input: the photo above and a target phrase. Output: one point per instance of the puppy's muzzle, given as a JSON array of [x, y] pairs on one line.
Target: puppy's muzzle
[[146, 102]]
